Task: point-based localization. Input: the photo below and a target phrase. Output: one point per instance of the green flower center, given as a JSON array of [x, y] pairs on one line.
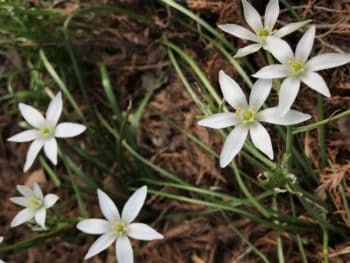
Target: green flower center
[[45, 131], [34, 202], [247, 116], [120, 228], [296, 65], [263, 33]]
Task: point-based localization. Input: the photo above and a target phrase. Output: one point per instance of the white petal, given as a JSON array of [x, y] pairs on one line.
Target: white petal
[[290, 28], [232, 92], [22, 201], [94, 226], [31, 115], [143, 232], [279, 49], [54, 110], [273, 115], [1, 239], [123, 250], [25, 191], [220, 120], [242, 52], [287, 94], [261, 139], [271, 14], [134, 204], [37, 190], [251, 16], [23, 216], [305, 44], [50, 200], [260, 91], [238, 31], [316, 82], [40, 217], [69, 129], [272, 72], [326, 61], [102, 243], [24, 136], [233, 144], [32, 153], [50, 149], [108, 208]]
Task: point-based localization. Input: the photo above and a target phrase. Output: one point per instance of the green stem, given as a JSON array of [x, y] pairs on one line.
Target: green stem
[[279, 240], [56, 181]]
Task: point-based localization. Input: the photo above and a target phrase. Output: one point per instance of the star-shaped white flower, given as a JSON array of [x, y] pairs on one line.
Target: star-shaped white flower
[[247, 118], [45, 130], [35, 204], [297, 68], [260, 31], [118, 228]]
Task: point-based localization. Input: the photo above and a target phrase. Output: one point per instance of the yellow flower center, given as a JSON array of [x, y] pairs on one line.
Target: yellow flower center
[[45, 131], [120, 228], [247, 116], [263, 33], [296, 65], [34, 202]]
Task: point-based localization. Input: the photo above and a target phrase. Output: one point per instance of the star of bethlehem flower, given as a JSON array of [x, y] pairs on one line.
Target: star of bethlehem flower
[[118, 228], [260, 32], [296, 68], [247, 118], [45, 130], [35, 204], [1, 239]]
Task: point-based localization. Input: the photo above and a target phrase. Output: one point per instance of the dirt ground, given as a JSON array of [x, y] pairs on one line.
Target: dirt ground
[[134, 56]]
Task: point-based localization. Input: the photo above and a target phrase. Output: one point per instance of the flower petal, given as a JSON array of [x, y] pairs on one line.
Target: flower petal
[[279, 49], [290, 28], [251, 16], [54, 110], [31, 115], [37, 190], [272, 72], [238, 31], [326, 61], [94, 226], [260, 91], [123, 250], [32, 153], [22, 201], [23, 216], [242, 52], [287, 94], [305, 44], [220, 120], [102, 243], [232, 92], [134, 204], [273, 115], [143, 232], [272, 12], [40, 217], [316, 82], [108, 208], [25, 191], [50, 200], [233, 144], [50, 149], [261, 139], [24, 136], [69, 129]]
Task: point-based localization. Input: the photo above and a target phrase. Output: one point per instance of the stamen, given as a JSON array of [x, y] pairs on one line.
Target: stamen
[[120, 228]]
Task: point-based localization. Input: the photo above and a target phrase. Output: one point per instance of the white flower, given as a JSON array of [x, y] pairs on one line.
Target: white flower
[[118, 228], [260, 31], [247, 118], [1, 239], [45, 130], [35, 204], [297, 68]]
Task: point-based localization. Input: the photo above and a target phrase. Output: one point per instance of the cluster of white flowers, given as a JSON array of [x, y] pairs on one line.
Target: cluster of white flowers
[[294, 68], [115, 228]]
